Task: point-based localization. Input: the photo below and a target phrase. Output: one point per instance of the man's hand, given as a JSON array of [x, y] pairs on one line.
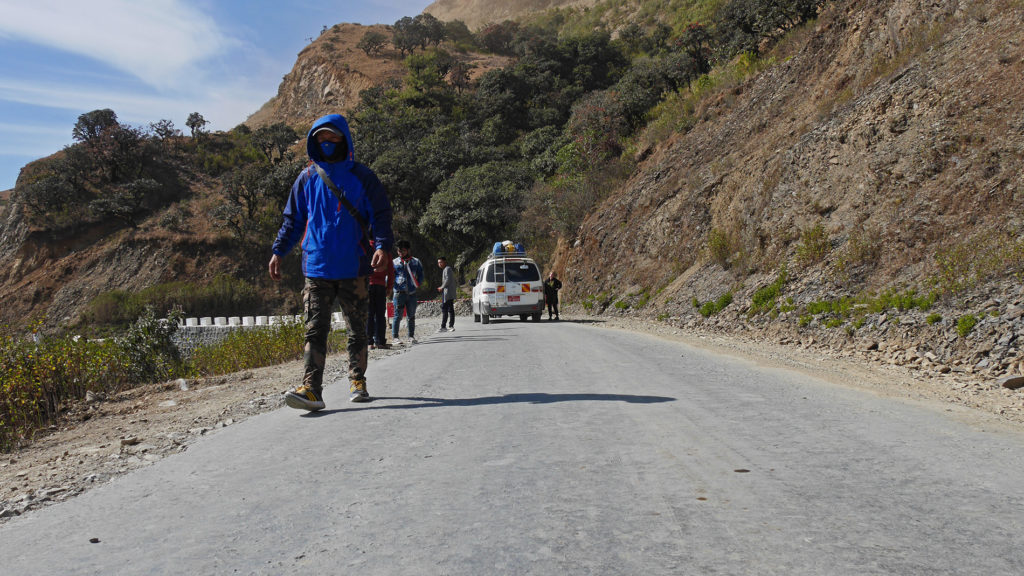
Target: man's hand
[[275, 268], [379, 260]]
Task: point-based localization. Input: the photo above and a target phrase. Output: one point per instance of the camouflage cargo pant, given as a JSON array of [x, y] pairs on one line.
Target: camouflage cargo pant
[[318, 298]]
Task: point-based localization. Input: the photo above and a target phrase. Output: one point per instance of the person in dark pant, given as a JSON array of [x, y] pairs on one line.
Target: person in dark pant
[[382, 282], [447, 289], [332, 206], [551, 287]]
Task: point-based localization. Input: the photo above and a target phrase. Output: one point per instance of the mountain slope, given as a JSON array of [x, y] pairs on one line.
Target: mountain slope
[[476, 13], [897, 123]]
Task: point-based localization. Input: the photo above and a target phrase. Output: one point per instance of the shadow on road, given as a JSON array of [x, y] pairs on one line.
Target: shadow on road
[[533, 398]]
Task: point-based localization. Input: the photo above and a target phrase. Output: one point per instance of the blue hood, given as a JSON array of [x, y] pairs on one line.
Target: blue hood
[[338, 122]]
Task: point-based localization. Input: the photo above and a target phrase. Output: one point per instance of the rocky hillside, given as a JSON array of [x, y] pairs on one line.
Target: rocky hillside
[[330, 73], [882, 146], [476, 13], [328, 76]]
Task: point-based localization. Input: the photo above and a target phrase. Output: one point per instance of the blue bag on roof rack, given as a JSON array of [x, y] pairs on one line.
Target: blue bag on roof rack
[[509, 247]]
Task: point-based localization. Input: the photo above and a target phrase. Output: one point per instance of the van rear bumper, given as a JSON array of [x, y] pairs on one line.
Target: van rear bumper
[[513, 310]]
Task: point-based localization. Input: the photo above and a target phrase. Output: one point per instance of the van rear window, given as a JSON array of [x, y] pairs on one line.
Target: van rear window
[[513, 272]]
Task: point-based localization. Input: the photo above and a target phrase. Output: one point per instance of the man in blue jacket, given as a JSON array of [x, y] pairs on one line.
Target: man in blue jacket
[[336, 253]]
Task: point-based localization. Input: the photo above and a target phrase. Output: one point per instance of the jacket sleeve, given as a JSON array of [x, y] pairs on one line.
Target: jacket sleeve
[[418, 271], [391, 275], [380, 206], [295, 216], [448, 280]]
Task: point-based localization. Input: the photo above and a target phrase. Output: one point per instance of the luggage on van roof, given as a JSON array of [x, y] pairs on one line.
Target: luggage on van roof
[[509, 247]]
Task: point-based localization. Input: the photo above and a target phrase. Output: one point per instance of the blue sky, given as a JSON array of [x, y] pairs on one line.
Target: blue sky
[[149, 60]]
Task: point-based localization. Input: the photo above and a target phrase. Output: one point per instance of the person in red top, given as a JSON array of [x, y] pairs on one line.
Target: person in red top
[[382, 282]]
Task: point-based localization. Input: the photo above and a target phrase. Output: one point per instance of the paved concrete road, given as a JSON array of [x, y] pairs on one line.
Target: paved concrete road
[[561, 449]]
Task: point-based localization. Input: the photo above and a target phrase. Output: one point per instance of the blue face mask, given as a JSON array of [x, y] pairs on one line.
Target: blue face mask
[[329, 148]]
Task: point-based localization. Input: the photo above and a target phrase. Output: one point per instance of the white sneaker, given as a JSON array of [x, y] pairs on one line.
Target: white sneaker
[[396, 342], [452, 329], [413, 340], [442, 329]]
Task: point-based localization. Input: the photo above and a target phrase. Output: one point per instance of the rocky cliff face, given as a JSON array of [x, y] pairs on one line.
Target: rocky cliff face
[[883, 148], [476, 13], [328, 76]]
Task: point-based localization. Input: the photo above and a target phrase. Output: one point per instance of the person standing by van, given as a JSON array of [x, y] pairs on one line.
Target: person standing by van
[[447, 290], [551, 287], [408, 277]]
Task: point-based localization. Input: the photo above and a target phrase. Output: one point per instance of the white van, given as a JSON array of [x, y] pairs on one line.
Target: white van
[[507, 284]]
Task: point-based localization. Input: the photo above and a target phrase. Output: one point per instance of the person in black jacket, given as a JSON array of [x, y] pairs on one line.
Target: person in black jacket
[[551, 287]]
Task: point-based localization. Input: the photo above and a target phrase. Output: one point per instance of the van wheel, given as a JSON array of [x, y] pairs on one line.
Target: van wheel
[[523, 317], [485, 319], [476, 317], [536, 317]]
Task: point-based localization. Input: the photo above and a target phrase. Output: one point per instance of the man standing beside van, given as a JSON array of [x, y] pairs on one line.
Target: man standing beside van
[[551, 287], [408, 277], [447, 290]]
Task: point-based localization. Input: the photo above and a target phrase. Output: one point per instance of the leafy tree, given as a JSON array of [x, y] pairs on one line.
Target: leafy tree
[[458, 75], [196, 123], [125, 153], [540, 147], [407, 34], [373, 42], [477, 204], [498, 37], [51, 199], [274, 140], [164, 129], [432, 30], [502, 95], [254, 196], [696, 42], [92, 125], [126, 202], [597, 124], [459, 34], [737, 27], [777, 16], [428, 70]]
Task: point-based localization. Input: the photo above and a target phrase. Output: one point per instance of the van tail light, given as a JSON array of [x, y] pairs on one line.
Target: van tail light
[[489, 291], [538, 289]]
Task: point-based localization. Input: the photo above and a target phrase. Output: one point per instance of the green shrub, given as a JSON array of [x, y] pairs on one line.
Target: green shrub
[[814, 244], [965, 324], [38, 379], [934, 318], [720, 247], [711, 308], [906, 300], [764, 298]]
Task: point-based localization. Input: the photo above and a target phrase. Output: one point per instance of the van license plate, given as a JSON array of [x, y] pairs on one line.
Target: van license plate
[[513, 298]]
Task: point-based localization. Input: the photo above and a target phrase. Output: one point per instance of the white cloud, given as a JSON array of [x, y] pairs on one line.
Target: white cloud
[[224, 105], [158, 41]]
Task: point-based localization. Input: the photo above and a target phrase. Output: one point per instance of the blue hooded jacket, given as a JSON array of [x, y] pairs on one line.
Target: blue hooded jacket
[[332, 241]]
